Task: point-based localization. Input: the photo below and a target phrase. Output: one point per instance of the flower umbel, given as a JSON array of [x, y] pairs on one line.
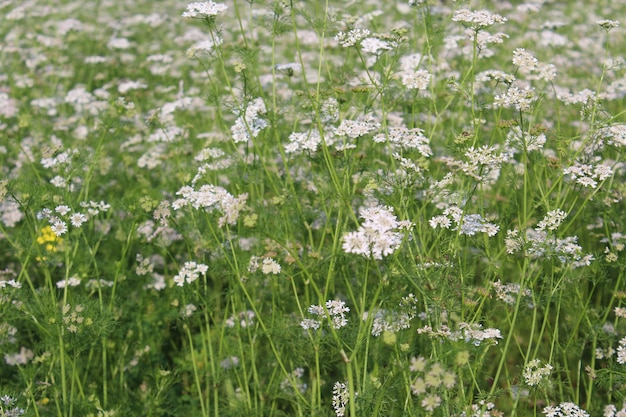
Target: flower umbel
[[378, 236], [189, 273], [207, 9]]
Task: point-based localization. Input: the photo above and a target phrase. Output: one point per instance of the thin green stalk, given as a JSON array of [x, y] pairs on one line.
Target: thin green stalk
[[195, 370]]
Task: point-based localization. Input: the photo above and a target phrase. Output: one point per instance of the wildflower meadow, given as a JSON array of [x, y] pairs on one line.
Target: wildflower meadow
[[313, 208]]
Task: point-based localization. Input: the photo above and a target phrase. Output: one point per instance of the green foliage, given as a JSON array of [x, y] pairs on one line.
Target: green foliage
[[311, 209]]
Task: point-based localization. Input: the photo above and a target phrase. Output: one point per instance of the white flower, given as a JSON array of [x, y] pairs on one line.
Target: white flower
[[352, 37], [188, 310], [59, 227], [341, 395], [189, 273], [440, 221], [335, 312], [357, 128], [270, 266], [621, 352], [524, 60], [417, 80], [70, 282], [204, 9], [210, 197], [430, 402], [378, 236], [248, 125], [521, 99], [374, 45], [608, 24], [77, 219], [552, 220], [534, 374], [299, 142], [62, 210], [477, 18], [310, 324], [566, 409]]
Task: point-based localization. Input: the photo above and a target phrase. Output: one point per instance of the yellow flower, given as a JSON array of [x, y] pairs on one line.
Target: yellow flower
[[49, 238]]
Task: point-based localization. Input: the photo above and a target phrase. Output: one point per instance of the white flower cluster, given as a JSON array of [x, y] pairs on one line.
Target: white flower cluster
[[466, 224], [612, 411], [329, 110], [621, 352], [22, 357], [580, 97], [495, 75], [406, 138], [469, 332], [81, 99], [566, 250], [513, 241], [10, 213], [520, 98], [190, 272], [415, 80], [352, 37], [608, 24], [243, 319], [482, 409], [394, 321], [474, 333], [268, 265], [11, 283], [8, 106], [72, 281], [357, 128], [7, 407], [188, 310], [211, 197], [59, 218], [588, 175], [205, 9], [525, 61], [614, 134], [335, 312], [74, 320], [341, 395], [301, 142], [167, 134], [429, 381], [477, 18], [249, 123], [508, 292], [534, 374], [604, 353], [535, 70], [483, 164], [145, 266], [566, 409], [378, 236], [62, 158], [484, 39], [552, 220], [375, 45], [229, 362], [524, 141]]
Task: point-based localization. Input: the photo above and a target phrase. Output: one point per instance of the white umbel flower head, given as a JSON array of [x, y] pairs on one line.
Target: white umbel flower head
[[206, 9], [189, 273]]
